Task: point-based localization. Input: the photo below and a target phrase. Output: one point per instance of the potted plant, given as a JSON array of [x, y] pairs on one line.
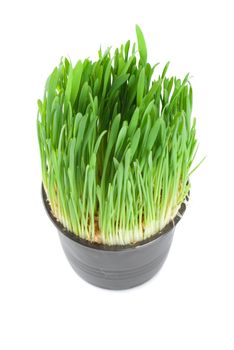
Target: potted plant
[[116, 151]]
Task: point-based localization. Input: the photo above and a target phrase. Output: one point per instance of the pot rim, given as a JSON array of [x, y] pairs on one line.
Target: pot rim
[[116, 247]]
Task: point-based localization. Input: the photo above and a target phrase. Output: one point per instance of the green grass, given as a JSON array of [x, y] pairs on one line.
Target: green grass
[[116, 145]]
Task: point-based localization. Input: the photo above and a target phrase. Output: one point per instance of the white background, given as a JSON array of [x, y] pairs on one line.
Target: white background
[[43, 303]]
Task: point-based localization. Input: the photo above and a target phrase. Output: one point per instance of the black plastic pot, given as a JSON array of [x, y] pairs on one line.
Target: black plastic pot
[[116, 267]]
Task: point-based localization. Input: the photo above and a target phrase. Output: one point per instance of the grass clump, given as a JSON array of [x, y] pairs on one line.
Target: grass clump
[[116, 145]]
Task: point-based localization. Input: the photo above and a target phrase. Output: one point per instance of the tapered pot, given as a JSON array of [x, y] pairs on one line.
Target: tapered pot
[[116, 267]]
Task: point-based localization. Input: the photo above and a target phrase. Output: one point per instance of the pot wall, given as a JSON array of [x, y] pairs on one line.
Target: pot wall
[[120, 269]]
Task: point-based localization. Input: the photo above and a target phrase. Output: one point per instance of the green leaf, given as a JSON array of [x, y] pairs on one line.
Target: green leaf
[[111, 141], [84, 97], [165, 70], [153, 135], [133, 123], [141, 45], [77, 74], [107, 76], [135, 141], [97, 144], [121, 138], [140, 87], [118, 82], [126, 49], [69, 83]]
